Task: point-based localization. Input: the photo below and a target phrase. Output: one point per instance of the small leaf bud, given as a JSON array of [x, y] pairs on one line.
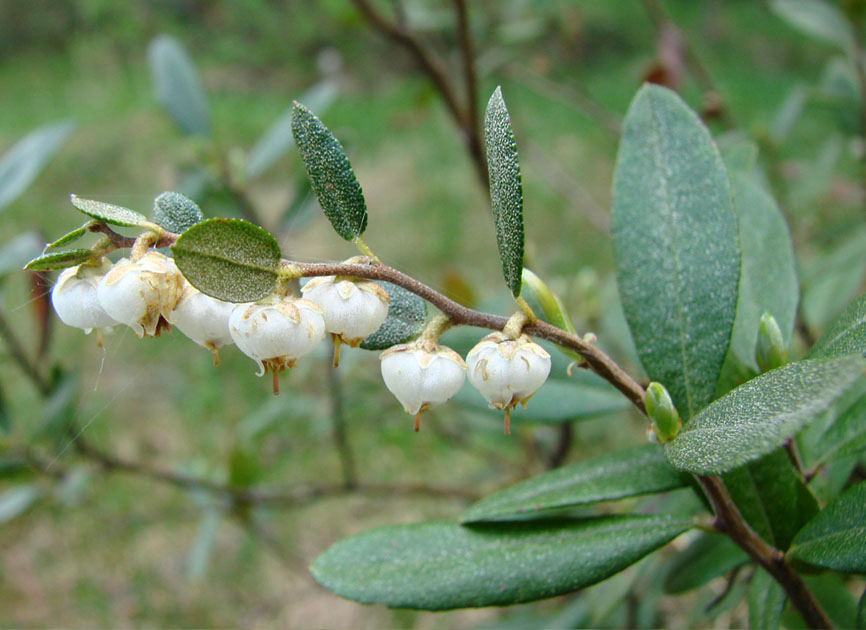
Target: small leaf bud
[[507, 371], [422, 374], [660, 408], [770, 351]]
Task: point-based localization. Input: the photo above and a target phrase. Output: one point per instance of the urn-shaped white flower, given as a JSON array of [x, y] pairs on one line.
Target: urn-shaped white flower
[[276, 331], [74, 297], [353, 308], [141, 293], [422, 374], [507, 371], [203, 319]]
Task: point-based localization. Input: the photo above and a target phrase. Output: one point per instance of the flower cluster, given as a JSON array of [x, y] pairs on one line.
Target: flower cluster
[[149, 294]]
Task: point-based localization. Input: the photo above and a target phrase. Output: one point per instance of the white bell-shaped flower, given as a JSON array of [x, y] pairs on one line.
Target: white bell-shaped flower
[[142, 293], [74, 297], [422, 374], [203, 319], [507, 371], [353, 308], [275, 332]]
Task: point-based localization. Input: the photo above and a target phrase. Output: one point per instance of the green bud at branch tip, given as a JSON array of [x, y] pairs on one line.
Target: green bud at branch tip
[[660, 409], [770, 351]]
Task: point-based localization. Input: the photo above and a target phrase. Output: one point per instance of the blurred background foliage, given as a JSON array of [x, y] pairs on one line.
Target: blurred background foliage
[[99, 523]]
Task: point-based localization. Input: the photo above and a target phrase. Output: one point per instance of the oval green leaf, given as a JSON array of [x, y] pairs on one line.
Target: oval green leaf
[[175, 212], [20, 165], [506, 189], [441, 565], [74, 235], [330, 173], [817, 19], [59, 260], [676, 245], [229, 259], [847, 335], [836, 537], [758, 416], [114, 215], [766, 601], [178, 86], [707, 557], [633, 472], [772, 497], [847, 435], [547, 306], [406, 316], [768, 280]]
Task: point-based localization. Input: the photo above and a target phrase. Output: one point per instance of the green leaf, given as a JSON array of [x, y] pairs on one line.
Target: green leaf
[[766, 601], [833, 595], [768, 280], [330, 173], [441, 565], [229, 259], [115, 215], [818, 19], [847, 335], [707, 557], [14, 501], [788, 113], [676, 245], [74, 235], [836, 537], [772, 497], [831, 280], [278, 139], [175, 212], [847, 435], [758, 416], [406, 316], [20, 165], [547, 306], [203, 546], [15, 252], [739, 152], [59, 260], [506, 190], [178, 85], [584, 395], [633, 472]]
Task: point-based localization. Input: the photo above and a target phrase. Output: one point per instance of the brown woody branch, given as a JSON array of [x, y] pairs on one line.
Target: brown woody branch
[[728, 518], [465, 116], [283, 497]]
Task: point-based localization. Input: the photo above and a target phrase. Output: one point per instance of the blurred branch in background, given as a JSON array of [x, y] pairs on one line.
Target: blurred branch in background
[[465, 113], [675, 56]]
